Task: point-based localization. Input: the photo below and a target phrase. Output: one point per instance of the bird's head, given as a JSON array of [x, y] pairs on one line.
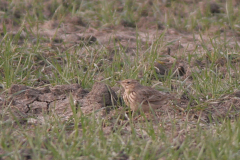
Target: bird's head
[[129, 84]]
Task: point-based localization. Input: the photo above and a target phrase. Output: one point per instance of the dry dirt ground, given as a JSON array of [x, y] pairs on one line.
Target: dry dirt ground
[[31, 104]]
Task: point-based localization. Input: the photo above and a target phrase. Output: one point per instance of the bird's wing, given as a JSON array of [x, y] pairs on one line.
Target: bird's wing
[[150, 95]]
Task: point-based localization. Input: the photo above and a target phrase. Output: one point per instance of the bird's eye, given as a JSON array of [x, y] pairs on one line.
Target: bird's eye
[[128, 82]]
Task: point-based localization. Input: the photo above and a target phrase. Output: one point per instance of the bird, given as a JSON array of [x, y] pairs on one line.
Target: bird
[[139, 97]]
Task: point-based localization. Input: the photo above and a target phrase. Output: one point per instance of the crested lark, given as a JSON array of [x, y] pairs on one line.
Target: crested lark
[[138, 97]]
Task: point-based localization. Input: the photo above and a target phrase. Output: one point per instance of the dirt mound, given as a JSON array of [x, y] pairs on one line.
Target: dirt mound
[[25, 101]]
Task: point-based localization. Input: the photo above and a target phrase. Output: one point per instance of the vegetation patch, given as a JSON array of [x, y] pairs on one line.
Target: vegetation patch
[[60, 62]]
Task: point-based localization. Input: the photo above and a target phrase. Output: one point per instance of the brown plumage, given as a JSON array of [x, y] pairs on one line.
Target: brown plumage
[[139, 97]]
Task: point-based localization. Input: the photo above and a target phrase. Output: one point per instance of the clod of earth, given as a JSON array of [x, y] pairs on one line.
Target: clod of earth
[[100, 96], [25, 101]]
